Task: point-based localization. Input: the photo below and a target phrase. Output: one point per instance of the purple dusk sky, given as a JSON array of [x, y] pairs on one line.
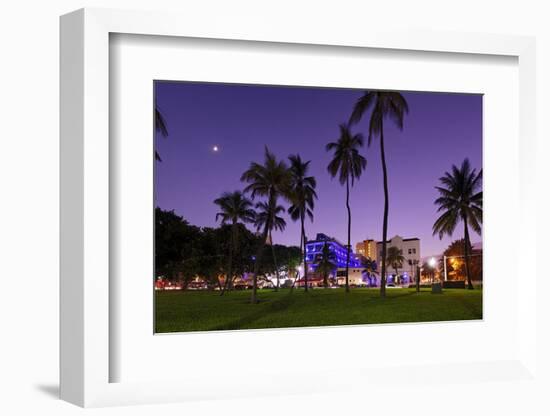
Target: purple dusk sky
[[440, 130]]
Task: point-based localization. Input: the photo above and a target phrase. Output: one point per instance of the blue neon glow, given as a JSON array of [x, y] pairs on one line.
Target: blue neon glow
[[314, 249]]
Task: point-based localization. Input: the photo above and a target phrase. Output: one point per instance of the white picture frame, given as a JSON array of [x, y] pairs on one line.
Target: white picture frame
[[86, 356]]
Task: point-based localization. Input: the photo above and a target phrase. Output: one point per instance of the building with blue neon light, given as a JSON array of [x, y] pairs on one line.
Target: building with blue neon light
[[314, 248]]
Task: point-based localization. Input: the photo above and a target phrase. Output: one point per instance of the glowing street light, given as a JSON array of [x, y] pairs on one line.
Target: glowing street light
[[432, 262]]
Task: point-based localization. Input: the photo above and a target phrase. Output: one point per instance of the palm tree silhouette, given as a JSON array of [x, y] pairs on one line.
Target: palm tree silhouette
[[326, 263], [267, 217], [395, 259], [384, 104], [234, 207], [369, 267], [302, 196], [270, 180], [460, 200], [160, 127], [348, 164]]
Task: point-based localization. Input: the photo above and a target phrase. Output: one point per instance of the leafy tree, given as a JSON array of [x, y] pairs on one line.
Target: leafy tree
[[211, 256], [302, 196], [456, 266], [286, 259], [270, 180], [244, 259], [348, 164], [384, 104], [326, 263], [395, 259], [460, 199], [234, 207], [174, 241], [293, 258], [184, 252]]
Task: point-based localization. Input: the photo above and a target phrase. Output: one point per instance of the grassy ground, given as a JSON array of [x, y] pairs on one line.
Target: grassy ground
[[178, 311]]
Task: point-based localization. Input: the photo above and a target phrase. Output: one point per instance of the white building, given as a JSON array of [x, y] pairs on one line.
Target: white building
[[355, 277], [411, 251]]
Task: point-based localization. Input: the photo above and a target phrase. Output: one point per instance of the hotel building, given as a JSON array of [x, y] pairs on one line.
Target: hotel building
[[314, 249], [411, 251], [409, 246]]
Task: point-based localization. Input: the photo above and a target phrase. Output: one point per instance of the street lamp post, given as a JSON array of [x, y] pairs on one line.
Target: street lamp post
[[417, 274]]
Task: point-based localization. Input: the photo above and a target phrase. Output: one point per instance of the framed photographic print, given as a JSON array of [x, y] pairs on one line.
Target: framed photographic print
[[291, 212], [264, 167]]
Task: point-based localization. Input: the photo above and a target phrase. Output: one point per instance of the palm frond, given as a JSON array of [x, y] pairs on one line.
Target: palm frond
[[347, 163], [459, 199], [361, 106]]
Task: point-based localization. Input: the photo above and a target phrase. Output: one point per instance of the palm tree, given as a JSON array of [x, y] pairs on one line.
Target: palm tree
[[302, 196], [348, 164], [267, 217], [326, 263], [270, 180], [395, 259], [234, 207], [160, 127], [384, 104], [460, 199], [369, 267]]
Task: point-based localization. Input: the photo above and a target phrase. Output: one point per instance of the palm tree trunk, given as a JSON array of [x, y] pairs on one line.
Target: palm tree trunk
[[228, 284], [302, 246], [386, 206], [467, 253], [259, 255], [275, 262], [305, 255], [349, 234]]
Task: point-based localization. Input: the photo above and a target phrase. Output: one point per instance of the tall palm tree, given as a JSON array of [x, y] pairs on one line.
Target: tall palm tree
[[160, 127], [271, 180], [348, 164], [326, 263], [460, 199], [267, 217], [384, 104], [234, 207], [395, 259], [302, 196]]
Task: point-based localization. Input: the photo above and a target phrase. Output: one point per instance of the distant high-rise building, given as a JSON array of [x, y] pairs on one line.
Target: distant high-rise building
[[366, 248]]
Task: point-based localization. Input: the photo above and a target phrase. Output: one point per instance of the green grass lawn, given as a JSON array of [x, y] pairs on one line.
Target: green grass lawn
[[179, 311]]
